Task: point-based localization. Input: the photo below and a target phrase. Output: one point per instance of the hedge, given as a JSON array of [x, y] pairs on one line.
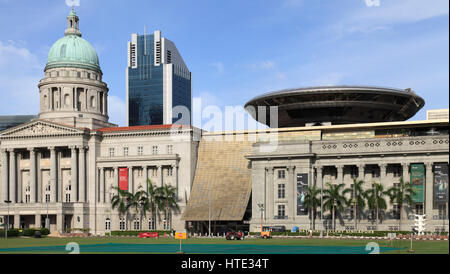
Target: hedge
[[136, 232], [25, 232]]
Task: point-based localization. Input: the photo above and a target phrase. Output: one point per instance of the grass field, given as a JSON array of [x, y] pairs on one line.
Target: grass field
[[217, 246]]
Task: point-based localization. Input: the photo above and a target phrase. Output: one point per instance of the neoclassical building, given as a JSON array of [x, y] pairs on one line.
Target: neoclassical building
[[65, 163]]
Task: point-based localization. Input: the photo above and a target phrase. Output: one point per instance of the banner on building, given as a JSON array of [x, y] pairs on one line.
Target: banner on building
[[123, 178], [440, 183], [417, 181], [302, 188]]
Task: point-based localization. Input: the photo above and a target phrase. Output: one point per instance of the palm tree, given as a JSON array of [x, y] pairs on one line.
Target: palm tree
[[358, 198], [137, 201], [120, 200], [401, 194], [167, 201], [150, 201], [376, 200], [334, 200], [312, 201]]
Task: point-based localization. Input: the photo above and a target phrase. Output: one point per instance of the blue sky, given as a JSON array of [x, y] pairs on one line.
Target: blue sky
[[237, 50]]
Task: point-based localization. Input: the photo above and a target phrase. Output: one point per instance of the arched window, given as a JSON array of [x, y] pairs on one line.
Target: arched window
[[93, 101], [67, 99]]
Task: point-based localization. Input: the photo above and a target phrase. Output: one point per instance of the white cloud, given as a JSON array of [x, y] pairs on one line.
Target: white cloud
[[117, 110], [263, 65], [219, 66], [20, 73], [389, 13]]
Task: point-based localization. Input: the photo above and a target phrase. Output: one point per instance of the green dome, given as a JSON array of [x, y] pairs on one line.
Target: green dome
[[72, 51]]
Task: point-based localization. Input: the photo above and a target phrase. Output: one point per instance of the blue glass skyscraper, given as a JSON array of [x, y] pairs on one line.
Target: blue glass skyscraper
[[157, 81]]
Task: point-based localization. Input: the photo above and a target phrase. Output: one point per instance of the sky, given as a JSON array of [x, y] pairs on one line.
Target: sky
[[238, 49]]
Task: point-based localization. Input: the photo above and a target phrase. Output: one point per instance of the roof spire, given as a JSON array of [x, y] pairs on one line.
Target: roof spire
[[72, 23]]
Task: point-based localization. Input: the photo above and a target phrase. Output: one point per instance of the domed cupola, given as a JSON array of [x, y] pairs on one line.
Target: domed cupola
[[72, 50], [72, 90]]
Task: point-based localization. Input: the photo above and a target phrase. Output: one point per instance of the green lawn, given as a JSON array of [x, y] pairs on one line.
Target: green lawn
[[420, 247]]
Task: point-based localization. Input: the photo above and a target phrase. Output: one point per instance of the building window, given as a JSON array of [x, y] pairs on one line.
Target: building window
[[166, 224], [136, 224], [396, 212], [442, 211], [122, 224], [281, 191], [27, 198], [419, 209], [151, 224], [169, 149], [396, 171], [67, 197], [169, 171], [281, 211], [140, 151], [125, 151], [78, 74], [375, 173], [155, 150], [47, 198], [281, 174], [353, 171], [108, 224], [111, 152]]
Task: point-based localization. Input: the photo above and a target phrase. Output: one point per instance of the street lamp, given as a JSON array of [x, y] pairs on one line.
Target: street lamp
[[111, 192], [7, 220], [261, 208], [209, 213], [47, 200]]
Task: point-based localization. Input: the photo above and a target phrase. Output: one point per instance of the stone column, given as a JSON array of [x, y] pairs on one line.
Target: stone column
[[319, 183], [33, 184], [37, 221], [4, 180], [130, 179], [340, 174], [291, 192], [73, 173], [39, 178], [116, 177], [60, 185], [405, 169], [105, 103], [52, 174], [82, 175], [270, 193], [12, 176], [59, 222], [175, 173], [428, 206], [160, 172], [16, 220], [361, 172], [145, 173], [19, 179], [102, 185]]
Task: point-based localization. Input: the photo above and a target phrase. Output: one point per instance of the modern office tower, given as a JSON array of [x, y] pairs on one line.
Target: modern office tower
[[8, 121], [157, 81]]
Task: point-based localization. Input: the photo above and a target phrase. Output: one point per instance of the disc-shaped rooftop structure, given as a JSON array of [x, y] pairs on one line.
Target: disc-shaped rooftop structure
[[336, 105]]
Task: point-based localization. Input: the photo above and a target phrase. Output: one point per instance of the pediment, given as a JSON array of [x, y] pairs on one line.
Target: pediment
[[39, 127]]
